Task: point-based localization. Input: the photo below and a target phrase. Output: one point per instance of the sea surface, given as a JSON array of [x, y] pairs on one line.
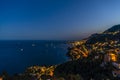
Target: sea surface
[[17, 55]]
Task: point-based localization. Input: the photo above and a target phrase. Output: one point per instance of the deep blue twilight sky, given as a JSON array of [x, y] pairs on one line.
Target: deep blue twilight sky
[[56, 19]]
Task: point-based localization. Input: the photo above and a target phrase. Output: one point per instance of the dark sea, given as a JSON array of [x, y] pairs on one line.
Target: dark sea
[[17, 55]]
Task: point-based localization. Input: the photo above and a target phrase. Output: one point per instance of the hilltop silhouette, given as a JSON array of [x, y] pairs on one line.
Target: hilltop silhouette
[[113, 28]]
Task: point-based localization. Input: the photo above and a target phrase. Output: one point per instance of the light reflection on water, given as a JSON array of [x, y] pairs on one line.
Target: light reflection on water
[[15, 56]]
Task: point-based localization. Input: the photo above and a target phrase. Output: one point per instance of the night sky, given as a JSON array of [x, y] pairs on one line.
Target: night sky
[[56, 19]]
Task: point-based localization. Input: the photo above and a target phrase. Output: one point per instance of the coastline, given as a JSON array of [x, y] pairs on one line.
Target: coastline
[[96, 58]]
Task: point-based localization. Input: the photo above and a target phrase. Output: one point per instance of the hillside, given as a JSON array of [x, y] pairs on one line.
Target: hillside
[[97, 57]]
